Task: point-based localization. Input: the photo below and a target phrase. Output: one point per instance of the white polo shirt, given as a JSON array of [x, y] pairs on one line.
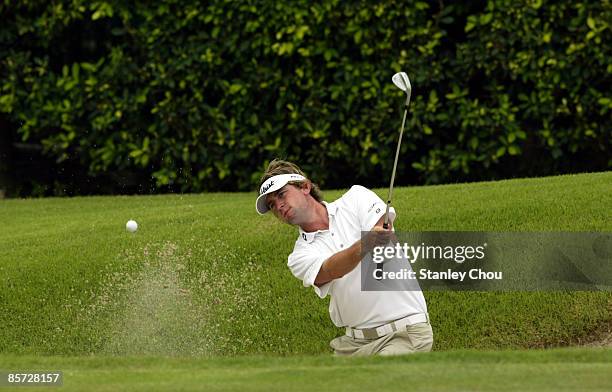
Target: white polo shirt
[[357, 210]]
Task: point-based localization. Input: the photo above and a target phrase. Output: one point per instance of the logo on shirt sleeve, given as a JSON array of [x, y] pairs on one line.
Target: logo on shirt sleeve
[[374, 205]]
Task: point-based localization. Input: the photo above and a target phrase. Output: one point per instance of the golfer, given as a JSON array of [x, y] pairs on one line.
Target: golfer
[[326, 255]]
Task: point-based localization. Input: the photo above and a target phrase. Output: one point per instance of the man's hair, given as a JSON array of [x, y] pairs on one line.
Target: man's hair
[[278, 166]]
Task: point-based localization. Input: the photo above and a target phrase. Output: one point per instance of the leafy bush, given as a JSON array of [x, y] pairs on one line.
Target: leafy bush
[[196, 97]]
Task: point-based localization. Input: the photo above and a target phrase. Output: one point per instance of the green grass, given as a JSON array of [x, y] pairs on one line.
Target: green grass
[[551, 370], [205, 275]]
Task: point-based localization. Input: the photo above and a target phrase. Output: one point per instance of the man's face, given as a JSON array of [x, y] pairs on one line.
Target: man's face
[[289, 203]]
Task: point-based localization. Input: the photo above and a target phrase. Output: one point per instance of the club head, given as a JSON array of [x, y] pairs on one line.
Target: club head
[[401, 80]]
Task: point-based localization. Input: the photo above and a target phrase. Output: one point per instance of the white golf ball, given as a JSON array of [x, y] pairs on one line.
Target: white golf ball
[[131, 226]]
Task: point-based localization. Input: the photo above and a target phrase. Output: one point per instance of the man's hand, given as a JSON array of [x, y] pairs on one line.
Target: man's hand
[[378, 236]]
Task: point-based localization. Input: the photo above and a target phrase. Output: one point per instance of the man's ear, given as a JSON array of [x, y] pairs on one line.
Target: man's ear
[[306, 187]]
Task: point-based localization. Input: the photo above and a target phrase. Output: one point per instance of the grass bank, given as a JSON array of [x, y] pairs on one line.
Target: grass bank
[[205, 275]]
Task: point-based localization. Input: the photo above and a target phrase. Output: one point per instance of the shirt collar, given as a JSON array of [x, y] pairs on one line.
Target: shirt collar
[[332, 208]]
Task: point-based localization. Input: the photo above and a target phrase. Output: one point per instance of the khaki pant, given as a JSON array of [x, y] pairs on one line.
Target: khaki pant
[[415, 338]]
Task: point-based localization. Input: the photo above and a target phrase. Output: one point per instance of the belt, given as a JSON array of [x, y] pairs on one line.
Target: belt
[[378, 332]]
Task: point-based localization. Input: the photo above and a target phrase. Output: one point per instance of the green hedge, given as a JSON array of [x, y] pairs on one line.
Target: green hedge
[[198, 97]]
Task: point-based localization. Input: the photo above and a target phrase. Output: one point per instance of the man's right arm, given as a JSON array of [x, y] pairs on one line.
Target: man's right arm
[[343, 262], [339, 264]]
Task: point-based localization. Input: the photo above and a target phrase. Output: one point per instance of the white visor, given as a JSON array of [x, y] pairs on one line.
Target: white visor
[[273, 184]]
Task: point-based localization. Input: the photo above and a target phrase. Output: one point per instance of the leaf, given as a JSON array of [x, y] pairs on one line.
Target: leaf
[[301, 31], [75, 71], [357, 36], [234, 88], [474, 143], [591, 23], [418, 166], [97, 15], [469, 26], [486, 18]]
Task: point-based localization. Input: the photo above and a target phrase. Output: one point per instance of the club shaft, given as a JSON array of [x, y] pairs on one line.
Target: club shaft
[[399, 144]]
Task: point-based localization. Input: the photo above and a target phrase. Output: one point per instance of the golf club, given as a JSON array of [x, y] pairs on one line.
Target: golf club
[[401, 80]]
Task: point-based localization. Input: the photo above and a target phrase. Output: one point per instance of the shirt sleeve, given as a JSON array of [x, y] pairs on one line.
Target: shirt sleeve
[[370, 208], [305, 264]]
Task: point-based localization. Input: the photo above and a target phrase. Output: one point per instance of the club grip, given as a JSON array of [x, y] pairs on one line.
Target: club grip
[[379, 266]]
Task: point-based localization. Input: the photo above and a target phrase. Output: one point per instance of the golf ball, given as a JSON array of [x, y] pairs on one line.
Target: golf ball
[[131, 226]]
